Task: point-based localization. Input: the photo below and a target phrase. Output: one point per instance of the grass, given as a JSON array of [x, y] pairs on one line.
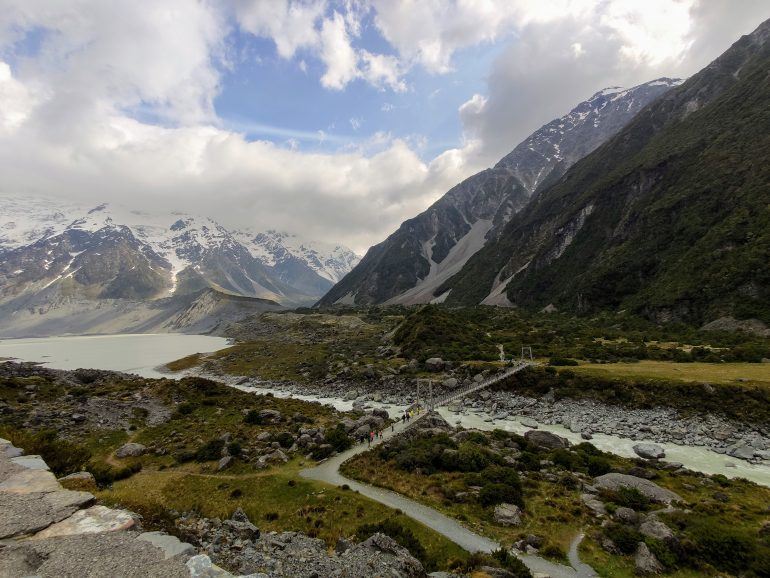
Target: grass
[[715, 373], [272, 360], [188, 362], [301, 505], [552, 511]]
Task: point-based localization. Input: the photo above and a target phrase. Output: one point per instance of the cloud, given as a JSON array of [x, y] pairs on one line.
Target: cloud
[[551, 65], [114, 100], [337, 53], [326, 33], [111, 54]]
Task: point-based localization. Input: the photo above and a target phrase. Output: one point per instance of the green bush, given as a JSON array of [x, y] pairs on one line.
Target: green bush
[[252, 417], [472, 458], [338, 438], [211, 450], [727, 548], [598, 466], [562, 361], [62, 456], [493, 494], [625, 538], [285, 439], [511, 563], [105, 474]]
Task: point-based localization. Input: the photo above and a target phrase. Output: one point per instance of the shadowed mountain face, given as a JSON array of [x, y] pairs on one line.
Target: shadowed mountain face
[[426, 251], [670, 218]]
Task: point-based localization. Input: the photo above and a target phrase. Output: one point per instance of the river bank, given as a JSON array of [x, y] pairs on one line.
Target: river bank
[[709, 444]]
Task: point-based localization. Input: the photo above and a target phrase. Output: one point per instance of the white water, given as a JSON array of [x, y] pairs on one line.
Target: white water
[[697, 459], [139, 354]]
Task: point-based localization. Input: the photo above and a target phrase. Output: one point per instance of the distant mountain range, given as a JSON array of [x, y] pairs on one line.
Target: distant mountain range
[[58, 260], [426, 251]]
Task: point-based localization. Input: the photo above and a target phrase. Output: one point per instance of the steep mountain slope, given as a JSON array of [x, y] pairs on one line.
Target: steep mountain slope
[[429, 249], [671, 217]]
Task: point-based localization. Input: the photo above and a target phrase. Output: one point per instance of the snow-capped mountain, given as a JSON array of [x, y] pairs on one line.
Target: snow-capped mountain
[[414, 263], [548, 152], [47, 244]]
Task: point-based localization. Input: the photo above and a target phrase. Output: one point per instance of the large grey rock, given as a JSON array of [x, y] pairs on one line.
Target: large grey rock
[[94, 520], [546, 439], [649, 451], [645, 561], [615, 481], [527, 422], [130, 450], [31, 463], [170, 545], [594, 504], [508, 514], [434, 364], [654, 528], [89, 555], [741, 451], [626, 515], [27, 513]]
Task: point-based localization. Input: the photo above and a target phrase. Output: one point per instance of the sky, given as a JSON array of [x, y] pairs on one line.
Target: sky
[[334, 120]]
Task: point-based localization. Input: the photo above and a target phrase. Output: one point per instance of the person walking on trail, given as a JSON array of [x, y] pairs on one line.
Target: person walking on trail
[[392, 427]]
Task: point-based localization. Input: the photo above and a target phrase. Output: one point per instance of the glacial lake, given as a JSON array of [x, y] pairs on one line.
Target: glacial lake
[[141, 354]]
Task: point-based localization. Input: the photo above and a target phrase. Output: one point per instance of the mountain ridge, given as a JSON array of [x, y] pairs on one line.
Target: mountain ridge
[[675, 229], [433, 246]]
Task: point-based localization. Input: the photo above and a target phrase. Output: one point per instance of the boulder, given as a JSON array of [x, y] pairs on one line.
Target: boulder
[[614, 481], [83, 481], [649, 451], [741, 451], [645, 561], [241, 527], [654, 528], [626, 515], [450, 382], [594, 504], [508, 515], [381, 413], [224, 463], [130, 450], [171, 545], [527, 422], [546, 439], [434, 364], [269, 416]]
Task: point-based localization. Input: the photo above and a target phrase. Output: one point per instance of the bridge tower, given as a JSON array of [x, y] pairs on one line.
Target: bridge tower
[[526, 354]]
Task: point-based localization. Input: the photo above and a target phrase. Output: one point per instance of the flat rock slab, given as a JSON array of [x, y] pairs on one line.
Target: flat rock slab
[[171, 545], [89, 556], [94, 520], [29, 513], [31, 463], [651, 490], [26, 481], [9, 450]]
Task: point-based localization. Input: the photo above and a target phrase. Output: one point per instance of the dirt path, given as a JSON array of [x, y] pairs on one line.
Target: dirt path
[[329, 472]]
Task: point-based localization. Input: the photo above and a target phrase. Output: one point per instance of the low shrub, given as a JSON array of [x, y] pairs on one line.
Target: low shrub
[[62, 456], [211, 450]]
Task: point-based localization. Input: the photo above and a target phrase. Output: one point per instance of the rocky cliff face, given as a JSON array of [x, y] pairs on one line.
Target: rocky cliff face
[[669, 218], [426, 251]]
